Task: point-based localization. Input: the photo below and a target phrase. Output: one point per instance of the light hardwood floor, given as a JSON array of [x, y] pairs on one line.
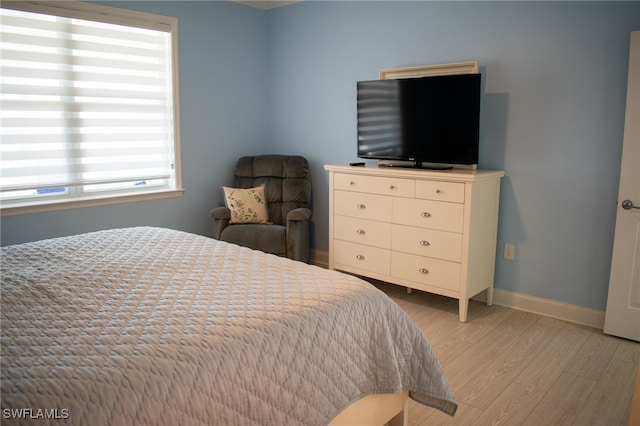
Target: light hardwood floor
[[509, 367]]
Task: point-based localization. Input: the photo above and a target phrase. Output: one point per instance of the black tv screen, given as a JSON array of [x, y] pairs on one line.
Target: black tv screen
[[424, 120]]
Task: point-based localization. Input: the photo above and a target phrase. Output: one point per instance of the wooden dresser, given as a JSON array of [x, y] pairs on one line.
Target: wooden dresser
[[427, 230]]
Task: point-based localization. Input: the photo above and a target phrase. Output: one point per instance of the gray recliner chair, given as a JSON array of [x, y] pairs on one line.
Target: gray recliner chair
[[288, 198]]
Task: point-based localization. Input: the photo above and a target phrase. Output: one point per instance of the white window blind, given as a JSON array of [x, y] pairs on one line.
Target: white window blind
[[86, 106]]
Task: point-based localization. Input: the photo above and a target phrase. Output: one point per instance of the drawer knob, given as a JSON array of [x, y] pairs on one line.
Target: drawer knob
[[360, 257], [361, 206], [423, 270], [425, 243], [392, 187], [360, 232], [352, 183], [438, 191], [425, 214]]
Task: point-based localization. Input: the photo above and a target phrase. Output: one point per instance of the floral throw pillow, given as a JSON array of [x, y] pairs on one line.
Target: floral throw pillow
[[246, 205]]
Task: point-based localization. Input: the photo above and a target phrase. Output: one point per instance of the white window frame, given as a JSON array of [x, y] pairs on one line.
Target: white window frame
[[94, 12]]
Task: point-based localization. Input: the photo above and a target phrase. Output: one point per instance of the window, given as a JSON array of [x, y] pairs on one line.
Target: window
[[88, 106]]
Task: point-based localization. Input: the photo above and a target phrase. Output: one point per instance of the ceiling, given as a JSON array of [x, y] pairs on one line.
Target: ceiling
[[266, 4]]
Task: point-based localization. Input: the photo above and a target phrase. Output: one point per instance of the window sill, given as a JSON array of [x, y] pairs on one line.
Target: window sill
[[90, 202]]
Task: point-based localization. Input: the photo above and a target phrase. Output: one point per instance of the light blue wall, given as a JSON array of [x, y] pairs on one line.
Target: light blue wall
[[223, 100], [283, 81], [552, 114]]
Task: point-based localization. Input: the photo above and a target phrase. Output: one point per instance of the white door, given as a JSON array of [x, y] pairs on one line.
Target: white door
[[623, 304]]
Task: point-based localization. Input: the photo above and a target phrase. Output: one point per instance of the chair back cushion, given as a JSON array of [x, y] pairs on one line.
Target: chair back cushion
[[286, 178]]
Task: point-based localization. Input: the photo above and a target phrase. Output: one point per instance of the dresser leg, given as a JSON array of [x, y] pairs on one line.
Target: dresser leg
[[490, 296], [463, 307]]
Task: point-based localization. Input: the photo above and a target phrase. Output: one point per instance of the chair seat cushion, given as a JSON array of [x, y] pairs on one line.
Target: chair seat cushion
[[268, 238]]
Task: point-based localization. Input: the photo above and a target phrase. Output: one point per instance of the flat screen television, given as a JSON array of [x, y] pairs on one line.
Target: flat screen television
[[424, 121]]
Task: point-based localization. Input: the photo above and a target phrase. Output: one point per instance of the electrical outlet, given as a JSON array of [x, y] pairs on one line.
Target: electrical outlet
[[509, 251]]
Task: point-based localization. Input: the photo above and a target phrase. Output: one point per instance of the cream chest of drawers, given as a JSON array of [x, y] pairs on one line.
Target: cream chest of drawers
[[427, 230]]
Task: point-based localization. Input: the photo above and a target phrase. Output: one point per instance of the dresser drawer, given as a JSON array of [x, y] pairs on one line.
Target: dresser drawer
[[425, 270], [366, 206], [362, 231], [428, 214], [427, 242], [375, 185], [440, 191], [367, 258]]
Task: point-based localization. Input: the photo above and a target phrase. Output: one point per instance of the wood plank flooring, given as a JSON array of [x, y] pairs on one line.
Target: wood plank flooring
[[509, 367]]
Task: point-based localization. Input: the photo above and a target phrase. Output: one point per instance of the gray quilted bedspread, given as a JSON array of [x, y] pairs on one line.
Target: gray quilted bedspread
[[154, 326]]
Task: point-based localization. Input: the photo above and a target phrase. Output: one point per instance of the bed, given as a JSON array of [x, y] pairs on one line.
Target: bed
[[149, 325]]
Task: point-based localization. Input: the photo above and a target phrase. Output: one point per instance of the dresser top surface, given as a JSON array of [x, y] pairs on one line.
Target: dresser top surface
[[468, 175]]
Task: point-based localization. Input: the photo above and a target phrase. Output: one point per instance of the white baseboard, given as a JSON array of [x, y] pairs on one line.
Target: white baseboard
[[319, 258], [537, 305], [550, 308]]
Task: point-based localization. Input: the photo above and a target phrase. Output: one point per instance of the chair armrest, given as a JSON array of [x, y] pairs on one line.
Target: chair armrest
[[301, 213], [298, 234], [220, 216], [220, 213]]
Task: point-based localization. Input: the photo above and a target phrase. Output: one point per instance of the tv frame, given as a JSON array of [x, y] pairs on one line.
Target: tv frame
[[432, 159]]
